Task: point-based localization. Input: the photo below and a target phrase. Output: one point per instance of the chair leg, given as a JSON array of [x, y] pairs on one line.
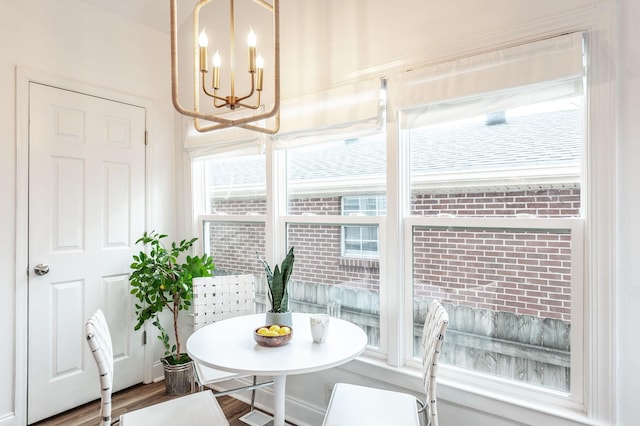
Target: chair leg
[[195, 382], [425, 409], [253, 393], [427, 415]]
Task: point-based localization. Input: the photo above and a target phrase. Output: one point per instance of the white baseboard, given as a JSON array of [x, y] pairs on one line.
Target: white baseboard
[[8, 419], [158, 372]]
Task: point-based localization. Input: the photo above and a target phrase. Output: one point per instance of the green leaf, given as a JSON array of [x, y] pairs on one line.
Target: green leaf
[[159, 275]]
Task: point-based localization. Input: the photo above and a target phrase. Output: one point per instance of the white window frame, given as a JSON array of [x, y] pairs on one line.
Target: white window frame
[[574, 400], [595, 343], [335, 220], [599, 339]]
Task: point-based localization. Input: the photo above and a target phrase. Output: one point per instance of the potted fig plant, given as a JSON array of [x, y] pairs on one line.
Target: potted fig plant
[[278, 291], [161, 278]]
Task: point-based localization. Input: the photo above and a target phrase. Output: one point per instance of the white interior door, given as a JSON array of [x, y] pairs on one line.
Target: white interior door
[[86, 209]]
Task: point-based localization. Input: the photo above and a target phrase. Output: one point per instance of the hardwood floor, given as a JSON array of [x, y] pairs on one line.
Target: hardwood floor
[[133, 398]]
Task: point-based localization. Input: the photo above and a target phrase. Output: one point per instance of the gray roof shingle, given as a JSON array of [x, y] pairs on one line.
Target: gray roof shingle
[[545, 139]]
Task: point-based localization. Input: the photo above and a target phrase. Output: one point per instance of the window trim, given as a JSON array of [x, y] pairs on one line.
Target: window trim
[[582, 400], [335, 220], [599, 338], [573, 400]]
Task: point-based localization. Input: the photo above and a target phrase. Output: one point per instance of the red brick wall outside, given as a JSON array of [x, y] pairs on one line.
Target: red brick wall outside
[[240, 206], [541, 203], [234, 246], [316, 205], [522, 272], [317, 250]]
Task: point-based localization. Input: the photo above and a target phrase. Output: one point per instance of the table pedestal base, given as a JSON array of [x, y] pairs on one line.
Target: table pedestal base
[[279, 385], [257, 418]]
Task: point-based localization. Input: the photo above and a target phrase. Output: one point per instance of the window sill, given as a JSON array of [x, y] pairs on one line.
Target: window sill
[[359, 262], [465, 396]]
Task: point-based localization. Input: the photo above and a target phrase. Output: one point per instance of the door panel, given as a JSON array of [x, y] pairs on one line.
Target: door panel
[[86, 209], [67, 351], [118, 314]]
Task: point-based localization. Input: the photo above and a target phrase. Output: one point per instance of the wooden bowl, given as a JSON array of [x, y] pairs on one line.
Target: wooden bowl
[[271, 341]]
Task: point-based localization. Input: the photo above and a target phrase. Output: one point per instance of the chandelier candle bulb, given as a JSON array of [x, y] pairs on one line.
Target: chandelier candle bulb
[[215, 82], [259, 77], [251, 41], [203, 41]]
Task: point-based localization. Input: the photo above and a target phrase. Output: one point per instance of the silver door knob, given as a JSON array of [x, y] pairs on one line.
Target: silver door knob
[[41, 269]]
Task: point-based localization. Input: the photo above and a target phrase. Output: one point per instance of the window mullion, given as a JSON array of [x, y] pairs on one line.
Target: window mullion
[[392, 289]]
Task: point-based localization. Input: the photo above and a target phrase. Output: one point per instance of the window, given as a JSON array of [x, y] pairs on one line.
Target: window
[[362, 241], [319, 175], [494, 229], [336, 202], [231, 188], [235, 184], [319, 223], [480, 205]]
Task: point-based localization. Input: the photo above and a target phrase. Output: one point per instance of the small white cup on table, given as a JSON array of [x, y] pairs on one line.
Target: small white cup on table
[[319, 327]]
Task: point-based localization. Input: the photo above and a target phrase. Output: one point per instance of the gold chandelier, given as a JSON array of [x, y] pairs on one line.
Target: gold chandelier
[[256, 114]]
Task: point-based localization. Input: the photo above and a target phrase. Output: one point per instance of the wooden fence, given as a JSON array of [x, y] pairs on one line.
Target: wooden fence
[[522, 348]]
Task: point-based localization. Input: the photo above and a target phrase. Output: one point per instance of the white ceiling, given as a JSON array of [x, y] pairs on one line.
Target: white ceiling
[[152, 13]]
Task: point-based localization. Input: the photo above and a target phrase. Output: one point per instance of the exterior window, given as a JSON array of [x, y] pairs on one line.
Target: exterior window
[[362, 241], [235, 184], [495, 234], [319, 176], [336, 195], [232, 190], [234, 225], [324, 282]]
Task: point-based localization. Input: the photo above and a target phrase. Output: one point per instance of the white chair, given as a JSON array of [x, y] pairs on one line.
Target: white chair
[[196, 409], [361, 405], [215, 299]]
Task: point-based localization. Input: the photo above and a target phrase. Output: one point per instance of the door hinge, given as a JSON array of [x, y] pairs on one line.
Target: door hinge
[[146, 137], [144, 337]]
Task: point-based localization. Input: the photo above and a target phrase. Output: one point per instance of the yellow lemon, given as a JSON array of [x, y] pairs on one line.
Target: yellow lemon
[[263, 331], [284, 330], [274, 327], [271, 333]]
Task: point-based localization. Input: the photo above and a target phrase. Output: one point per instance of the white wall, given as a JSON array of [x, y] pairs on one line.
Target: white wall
[[324, 43], [67, 39], [627, 284]]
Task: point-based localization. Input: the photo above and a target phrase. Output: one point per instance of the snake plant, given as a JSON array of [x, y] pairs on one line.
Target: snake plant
[[278, 281]]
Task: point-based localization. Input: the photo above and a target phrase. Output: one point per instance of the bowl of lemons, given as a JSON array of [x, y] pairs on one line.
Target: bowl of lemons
[[272, 335]]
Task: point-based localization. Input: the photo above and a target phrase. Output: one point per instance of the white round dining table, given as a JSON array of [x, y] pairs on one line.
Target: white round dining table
[[229, 345]]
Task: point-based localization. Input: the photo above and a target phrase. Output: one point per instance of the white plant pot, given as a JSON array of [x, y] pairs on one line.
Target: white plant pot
[[280, 318]]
